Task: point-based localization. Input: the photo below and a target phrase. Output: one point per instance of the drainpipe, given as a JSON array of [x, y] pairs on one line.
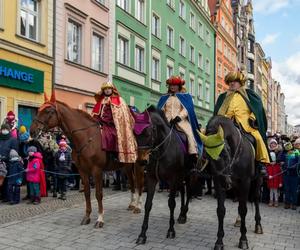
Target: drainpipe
[[53, 45]]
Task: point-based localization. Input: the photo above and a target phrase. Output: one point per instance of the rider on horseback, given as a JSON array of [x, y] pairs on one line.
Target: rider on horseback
[[117, 123], [245, 107], [179, 110]]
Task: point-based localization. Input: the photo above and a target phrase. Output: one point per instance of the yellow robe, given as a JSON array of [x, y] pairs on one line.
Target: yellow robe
[[239, 110]]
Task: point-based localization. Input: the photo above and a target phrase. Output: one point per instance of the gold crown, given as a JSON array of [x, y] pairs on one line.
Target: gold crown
[[107, 85]]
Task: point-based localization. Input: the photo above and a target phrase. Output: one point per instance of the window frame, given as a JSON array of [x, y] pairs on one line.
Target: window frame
[[192, 54], [207, 66], [126, 50], [182, 49], [153, 76], [182, 10], [74, 22], [200, 62], [169, 67], [143, 10], [159, 25], [172, 40], [192, 21], [122, 5], [102, 54], [140, 68]]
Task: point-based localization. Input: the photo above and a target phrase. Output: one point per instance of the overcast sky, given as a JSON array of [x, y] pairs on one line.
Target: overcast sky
[[277, 29]]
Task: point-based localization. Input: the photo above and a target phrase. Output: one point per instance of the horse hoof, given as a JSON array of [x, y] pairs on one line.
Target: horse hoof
[[85, 221], [136, 210], [141, 240], [243, 244], [130, 208], [171, 234], [258, 229], [181, 219], [99, 224], [219, 247], [237, 223]]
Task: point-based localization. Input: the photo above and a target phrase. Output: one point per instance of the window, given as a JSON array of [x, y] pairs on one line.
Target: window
[[124, 4], [207, 68], [139, 58], [250, 46], [170, 37], [207, 91], [229, 54], [220, 69], [74, 42], [222, 22], [225, 50], [29, 19], [200, 61], [192, 87], [200, 89], [140, 9], [97, 52], [101, 1], [181, 46], [192, 54], [208, 42], [225, 71], [155, 69], [123, 50], [155, 25], [171, 3], [170, 71], [220, 44], [192, 21], [200, 29], [250, 66], [181, 74], [182, 9]]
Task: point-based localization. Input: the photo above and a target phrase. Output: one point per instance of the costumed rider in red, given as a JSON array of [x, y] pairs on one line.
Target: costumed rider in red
[[117, 123], [179, 110]]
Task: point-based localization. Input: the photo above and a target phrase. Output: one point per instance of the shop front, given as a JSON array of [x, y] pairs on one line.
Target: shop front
[[23, 81]]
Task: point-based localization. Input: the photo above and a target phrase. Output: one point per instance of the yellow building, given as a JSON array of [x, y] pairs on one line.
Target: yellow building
[[265, 81], [26, 58]]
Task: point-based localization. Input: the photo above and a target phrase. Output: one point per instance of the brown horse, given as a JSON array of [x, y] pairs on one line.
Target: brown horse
[[84, 133]]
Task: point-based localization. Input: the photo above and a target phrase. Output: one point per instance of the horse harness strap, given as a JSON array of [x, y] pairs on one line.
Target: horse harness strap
[[236, 151]]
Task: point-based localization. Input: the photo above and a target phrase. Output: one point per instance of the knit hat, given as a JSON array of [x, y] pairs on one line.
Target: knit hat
[[32, 149], [10, 116], [273, 141], [62, 143], [22, 129], [288, 146], [13, 154], [24, 137]]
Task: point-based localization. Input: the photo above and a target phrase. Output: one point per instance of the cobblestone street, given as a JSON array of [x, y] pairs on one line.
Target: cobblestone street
[[57, 226]]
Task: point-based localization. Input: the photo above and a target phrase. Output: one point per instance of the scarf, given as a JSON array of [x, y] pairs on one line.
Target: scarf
[[4, 137]]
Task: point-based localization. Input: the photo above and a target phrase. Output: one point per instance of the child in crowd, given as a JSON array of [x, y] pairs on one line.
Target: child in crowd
[[63, 167], [15, 169], [275, 175], [33, 176]]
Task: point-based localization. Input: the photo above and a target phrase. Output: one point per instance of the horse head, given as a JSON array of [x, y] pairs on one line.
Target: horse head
[[47, 117]]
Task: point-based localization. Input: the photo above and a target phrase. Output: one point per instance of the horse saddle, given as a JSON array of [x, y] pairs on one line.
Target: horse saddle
[[142, 121], [247, 135], [182, 140]]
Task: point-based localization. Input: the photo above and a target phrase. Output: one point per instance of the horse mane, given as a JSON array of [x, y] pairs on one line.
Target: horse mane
[[215, 121], [153, 109], [79, 111]]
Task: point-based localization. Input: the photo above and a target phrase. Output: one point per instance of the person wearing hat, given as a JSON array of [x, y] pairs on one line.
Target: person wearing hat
[[179, 110], [12, 122], [245, 107], [62, 162], [7, 143], [117, 124]]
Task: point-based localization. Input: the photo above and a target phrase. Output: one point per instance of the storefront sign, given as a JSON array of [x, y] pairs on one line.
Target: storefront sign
[[17, 76]]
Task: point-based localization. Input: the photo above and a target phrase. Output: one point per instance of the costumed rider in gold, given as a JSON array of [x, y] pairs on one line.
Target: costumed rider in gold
[[117, 123], [245, 107], [179, 110]]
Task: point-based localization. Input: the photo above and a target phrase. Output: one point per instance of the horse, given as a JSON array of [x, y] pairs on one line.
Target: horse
[[231, 157], [160, 148], [91, 160]]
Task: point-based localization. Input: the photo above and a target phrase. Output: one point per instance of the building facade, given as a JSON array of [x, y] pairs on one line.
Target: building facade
[[258, 64], [157, 39], [26, 56], [82, 50], [226, 51], [265, 68]]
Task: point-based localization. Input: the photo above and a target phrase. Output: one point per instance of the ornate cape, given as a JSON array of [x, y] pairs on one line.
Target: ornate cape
[[187, 102]]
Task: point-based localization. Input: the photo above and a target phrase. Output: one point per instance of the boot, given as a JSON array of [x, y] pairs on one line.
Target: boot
[[54, 194], [107, 183], [63, 196], [36, 201]]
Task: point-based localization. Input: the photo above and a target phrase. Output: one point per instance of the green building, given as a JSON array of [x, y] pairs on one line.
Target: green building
[[158, 38]]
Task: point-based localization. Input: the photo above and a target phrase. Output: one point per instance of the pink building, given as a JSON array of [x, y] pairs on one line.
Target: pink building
[[81, 50]]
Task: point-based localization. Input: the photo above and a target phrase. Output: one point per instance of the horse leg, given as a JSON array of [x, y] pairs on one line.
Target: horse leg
[[221, 210], [182, 216], [151, 184], [139, 184], [87, 195], [172, 204], [130, 175], [99, 196], [258, 227]]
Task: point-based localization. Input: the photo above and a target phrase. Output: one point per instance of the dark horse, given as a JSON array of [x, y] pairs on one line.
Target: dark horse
[[166, 161], [233, 167], [91, 160]]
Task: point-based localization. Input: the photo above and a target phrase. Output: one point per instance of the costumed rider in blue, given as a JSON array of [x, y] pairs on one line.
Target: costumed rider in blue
[[178, 107]]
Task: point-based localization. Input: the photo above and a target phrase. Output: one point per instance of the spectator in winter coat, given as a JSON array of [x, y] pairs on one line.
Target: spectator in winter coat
[[63, 168], [292, 161], [274, 179], [15, 169], [7, 143]]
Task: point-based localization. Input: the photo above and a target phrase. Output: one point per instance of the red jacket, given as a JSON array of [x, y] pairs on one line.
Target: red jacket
[[274, 170]]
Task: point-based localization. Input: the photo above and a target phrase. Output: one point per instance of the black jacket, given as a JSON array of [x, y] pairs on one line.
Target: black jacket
[[6, 145], [63, 166]]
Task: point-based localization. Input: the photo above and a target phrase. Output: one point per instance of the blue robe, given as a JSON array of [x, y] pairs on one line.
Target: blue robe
[[187, 102]]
